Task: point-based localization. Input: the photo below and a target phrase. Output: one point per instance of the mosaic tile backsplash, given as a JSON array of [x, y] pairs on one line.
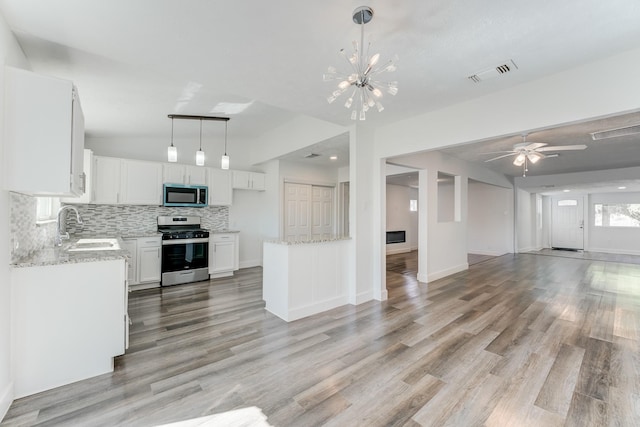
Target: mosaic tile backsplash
[[26, 236], [99, 220], [130, 220]]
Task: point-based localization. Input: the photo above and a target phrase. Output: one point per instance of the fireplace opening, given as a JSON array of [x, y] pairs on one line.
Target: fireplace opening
[[396, 237]]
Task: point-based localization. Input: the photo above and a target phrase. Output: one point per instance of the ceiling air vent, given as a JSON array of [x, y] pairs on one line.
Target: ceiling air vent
[[614, 133], [311, 155], [496, 71]]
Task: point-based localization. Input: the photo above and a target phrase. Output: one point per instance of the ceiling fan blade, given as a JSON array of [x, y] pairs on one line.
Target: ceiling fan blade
[[535, 145], [501, 157], [563, 148]]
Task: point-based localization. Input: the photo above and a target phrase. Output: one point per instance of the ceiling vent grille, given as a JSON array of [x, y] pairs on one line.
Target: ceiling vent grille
[[494, 72], [614, 133], [311, 155]]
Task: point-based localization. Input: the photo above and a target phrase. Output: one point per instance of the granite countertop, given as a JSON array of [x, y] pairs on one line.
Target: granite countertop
[[141, 235], [223, 231], [308, 242], [60, 255]]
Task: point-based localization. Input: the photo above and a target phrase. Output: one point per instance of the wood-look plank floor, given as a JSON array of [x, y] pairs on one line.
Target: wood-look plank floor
[[523, 340]]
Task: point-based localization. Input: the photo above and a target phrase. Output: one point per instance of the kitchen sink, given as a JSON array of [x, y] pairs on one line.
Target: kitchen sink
[[94, 245]]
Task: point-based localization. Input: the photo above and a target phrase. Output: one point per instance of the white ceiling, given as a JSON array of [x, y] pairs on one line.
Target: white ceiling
[[134, 62]]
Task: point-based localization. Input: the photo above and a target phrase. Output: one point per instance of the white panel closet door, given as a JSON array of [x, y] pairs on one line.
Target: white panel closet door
[[297, 212], [567, 217], [322, 216]]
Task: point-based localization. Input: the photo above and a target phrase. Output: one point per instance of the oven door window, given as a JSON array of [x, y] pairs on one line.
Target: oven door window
[[185, 257]]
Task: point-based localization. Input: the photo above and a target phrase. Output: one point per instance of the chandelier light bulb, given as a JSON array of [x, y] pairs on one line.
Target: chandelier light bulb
[[363, 73], [224, 162]]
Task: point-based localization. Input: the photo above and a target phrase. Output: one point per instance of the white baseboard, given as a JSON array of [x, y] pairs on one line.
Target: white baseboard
[[315, 308], [363, 297], [527, 249], [398, 251], [614, 251], [447, 272], [488, 253], [250, 263], [6, 399]]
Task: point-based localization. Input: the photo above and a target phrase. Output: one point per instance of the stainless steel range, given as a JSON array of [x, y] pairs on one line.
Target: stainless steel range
[[185, 250]]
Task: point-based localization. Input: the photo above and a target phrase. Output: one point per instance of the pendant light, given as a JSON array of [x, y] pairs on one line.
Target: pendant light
[[200, 153], [172, 151], [224, 161]]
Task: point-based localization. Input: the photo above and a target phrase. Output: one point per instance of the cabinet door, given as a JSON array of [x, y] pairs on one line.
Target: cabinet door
[[223, 257], [106, 180], [40, 155], [173, 174], [88, 181], [257, 181], [196, 175], [149, 264], [141, 183], [131, 245], [220, 193], [241, 180]]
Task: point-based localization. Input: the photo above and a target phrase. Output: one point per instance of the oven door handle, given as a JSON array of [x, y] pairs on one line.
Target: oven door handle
[[185, 241]]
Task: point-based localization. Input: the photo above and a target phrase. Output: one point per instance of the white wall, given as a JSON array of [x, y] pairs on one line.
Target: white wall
[[618, 240], [11, 54], [525, 218], [490, 215], [399, 217]]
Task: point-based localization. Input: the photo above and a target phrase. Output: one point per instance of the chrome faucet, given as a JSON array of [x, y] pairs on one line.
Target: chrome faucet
[[61, 229]]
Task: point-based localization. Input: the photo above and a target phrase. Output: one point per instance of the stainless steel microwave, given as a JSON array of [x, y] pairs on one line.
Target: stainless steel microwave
[[193, 196]]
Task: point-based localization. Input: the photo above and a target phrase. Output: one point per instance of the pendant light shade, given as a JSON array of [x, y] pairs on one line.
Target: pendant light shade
[[200, 153], [172, 151]]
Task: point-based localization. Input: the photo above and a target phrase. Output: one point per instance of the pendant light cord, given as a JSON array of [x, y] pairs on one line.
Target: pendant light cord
[[200, 134], [172, 131], [225, 137]]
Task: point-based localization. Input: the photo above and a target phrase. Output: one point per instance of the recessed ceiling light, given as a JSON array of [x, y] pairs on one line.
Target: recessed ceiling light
[[566, 191], [333, 158], [622, 187]]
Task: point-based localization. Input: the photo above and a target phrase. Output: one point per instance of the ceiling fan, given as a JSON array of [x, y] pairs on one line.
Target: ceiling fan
[[526, 152]]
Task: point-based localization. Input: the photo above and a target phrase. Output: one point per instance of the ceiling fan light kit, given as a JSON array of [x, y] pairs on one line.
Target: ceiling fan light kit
[[532, 152], [365, 90]]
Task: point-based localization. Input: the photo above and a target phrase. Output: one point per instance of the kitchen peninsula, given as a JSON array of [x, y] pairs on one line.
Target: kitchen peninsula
[[304, 278]]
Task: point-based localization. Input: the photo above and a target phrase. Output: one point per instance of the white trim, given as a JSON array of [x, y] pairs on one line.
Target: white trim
[[448, 272], [6, 399], [251, 263], [363, 297], [488, 253], [613, 251], [527, 249], [311, 309]]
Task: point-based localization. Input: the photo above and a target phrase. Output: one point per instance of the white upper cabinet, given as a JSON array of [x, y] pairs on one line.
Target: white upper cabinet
[[220, 193], [173, 173], [243, 180], [44, 135], [141, 183], [88, 185], [106, 180]]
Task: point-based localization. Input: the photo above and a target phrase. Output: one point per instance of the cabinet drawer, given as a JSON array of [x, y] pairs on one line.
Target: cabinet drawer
[[150, 242], [222, 237]]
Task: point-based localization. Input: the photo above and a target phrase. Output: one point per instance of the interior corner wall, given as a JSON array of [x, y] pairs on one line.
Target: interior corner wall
[[400, 218], [11, 54], [525, 220], [490, 219]]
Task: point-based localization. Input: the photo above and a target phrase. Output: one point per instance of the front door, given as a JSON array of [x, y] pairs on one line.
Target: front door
[[567, 219]]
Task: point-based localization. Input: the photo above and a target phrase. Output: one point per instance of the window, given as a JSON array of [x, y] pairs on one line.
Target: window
[[413, 205], [46, 209], [617, 215]]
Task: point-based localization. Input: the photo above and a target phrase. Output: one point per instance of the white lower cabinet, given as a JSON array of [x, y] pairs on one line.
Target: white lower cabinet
[[223, 254], [68, 323], [146, 259]]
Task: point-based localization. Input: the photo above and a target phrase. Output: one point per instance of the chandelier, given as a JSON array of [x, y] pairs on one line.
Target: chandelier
[[361, 80]]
